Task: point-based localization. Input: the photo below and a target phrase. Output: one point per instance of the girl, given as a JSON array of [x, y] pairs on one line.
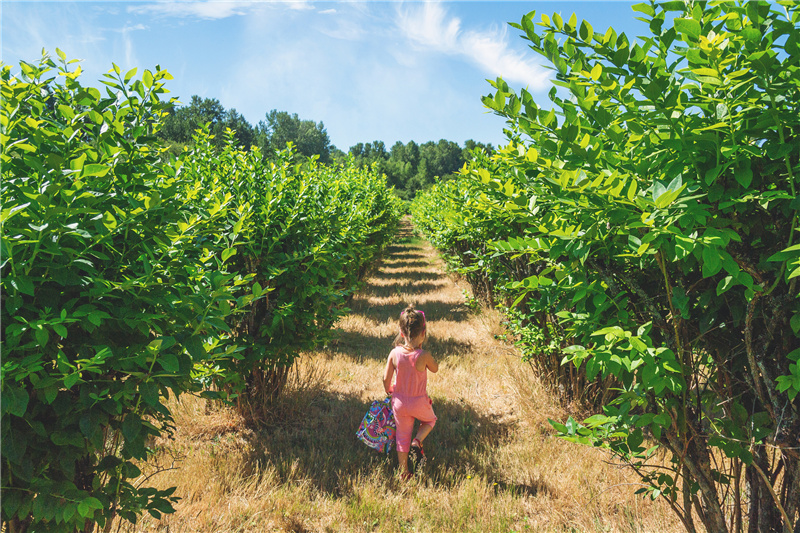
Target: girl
[[410, 399]]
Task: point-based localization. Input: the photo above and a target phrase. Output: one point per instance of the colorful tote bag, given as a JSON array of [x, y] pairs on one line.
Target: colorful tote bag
[[378, 427]]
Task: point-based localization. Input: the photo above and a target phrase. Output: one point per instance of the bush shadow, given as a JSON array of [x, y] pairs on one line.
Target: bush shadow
[[406, 287], [434, 310], [408, 255], [410, 274], [320, 447], [359, 347]]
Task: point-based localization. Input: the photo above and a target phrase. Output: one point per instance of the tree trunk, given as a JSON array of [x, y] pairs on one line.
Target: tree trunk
[[15, 525], [698, 463], [764, 514], [791, 483]]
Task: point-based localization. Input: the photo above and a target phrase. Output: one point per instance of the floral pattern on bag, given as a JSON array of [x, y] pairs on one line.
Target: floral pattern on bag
[[378, 427]]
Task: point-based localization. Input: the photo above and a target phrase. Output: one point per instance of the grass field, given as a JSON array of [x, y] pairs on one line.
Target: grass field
[[493, 463]]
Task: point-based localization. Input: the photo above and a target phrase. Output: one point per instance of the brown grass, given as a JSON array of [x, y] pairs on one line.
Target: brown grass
[[494, 464]]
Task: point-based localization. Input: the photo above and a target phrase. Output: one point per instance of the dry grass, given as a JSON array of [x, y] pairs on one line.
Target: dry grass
[[494, 464]]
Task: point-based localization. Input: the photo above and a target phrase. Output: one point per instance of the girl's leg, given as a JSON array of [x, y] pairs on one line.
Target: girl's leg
[[405, 428], [402, 458], [424, 430], [423, 411]]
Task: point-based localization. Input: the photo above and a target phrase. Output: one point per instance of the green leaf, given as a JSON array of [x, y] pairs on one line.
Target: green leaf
[[647, 9], [149, 392], [147, 79], [744, 175], [109, 221], [227, 253], [131, 427], [689, 27], [751, 34], [42, 336], [785, 254], [71, 379], [662, 420], [95, 170], [725, 284], [131, 73], [15, 400], [597, 420], [88, 506], [712, 261], [257, 289], [795, 323], [69, 511], [169, 362], [638, 345], [635, 440], [586, 31], [23, 285], [572, 425]]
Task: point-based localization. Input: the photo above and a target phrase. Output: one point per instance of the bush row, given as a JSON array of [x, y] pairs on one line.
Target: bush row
[[646, 230], [128, 275]]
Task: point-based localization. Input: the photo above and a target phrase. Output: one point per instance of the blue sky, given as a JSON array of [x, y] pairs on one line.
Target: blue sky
[[389, 71]]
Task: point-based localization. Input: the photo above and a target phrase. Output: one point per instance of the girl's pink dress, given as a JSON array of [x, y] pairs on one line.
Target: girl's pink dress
[[410, 396]]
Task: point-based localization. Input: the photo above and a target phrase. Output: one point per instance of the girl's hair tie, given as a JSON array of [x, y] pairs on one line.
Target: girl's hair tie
[[424, 320]]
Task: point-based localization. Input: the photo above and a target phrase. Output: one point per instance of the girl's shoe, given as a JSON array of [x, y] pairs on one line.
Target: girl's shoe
[[406, 476]]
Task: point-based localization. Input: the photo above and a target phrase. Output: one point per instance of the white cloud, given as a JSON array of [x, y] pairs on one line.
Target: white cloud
[[130, 52], [299, 5], [133, 28], [430, 27], [327, 12], [209, 9]]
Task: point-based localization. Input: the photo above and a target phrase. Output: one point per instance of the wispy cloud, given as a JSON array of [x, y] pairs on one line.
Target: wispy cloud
[[299, 5], [429, 27], [343, 28], [128, 43], [208, 9]]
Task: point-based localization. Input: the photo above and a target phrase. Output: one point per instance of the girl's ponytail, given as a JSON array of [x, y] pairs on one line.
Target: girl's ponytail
[[412, 324]]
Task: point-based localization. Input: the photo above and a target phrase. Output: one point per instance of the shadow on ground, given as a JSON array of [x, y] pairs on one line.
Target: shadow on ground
[[434, 310], [407, 274], [360, 347], [401, 256], [405, 288], [320, 447], [312, 439]]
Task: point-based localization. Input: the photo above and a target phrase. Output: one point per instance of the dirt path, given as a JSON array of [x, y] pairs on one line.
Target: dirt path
[[493, 464]]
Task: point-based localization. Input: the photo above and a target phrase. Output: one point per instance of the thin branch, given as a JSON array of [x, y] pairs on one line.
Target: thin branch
[[786, 520]]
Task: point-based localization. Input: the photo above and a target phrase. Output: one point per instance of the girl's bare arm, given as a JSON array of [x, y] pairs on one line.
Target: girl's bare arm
[[387, 375], [431, 363]]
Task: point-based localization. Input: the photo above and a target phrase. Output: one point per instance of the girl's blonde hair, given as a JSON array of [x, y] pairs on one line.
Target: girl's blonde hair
[[412, 324]]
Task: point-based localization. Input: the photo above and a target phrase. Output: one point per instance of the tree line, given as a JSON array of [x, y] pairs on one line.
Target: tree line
[[408, 167]]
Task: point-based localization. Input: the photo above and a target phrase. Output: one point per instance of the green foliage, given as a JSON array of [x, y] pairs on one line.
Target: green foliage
[[313, 233], [651, 216], [128, 275], [180, 124], [307, 137], [107, 297], [413, 167]]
